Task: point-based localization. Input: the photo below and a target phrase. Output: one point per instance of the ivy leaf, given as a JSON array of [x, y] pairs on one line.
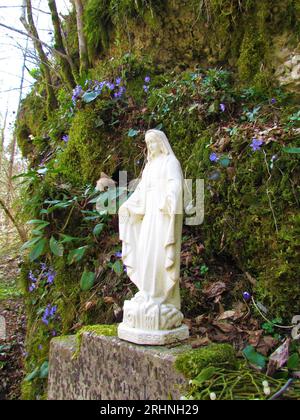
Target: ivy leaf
[[253, 357], [87, 280], [98, 229], [133, 133], [76, 254], [118, 267], [56, 247], [38, 250], [90, 96]]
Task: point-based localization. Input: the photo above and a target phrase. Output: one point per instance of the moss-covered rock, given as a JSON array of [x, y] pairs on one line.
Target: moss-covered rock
[[217, 355]]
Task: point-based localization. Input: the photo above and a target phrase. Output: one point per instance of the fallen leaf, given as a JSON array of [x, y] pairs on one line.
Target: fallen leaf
[[215, 289], [226, 315], [224, 326], [279, 357], [200, 342], [266, 344]]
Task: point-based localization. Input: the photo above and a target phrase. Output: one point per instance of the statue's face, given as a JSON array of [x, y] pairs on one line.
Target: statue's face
[[153, 145]]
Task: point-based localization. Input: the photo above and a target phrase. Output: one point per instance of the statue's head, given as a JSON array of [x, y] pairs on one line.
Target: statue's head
[[157, 143]]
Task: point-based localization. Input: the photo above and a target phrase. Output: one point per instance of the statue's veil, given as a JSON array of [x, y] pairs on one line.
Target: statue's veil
[[160, 135]]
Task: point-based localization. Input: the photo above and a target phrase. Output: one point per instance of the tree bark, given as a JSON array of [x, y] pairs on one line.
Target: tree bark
[[83, 50], [21, 231], [66, 63], [33, 33], [3, 136]]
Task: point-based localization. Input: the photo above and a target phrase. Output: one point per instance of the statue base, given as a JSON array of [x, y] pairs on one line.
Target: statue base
[[150, 337]]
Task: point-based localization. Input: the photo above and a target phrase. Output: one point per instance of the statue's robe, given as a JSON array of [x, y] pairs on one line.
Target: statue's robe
[[151, 235]]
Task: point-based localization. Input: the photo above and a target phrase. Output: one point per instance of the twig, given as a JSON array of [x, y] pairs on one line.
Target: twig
[[282, 390]]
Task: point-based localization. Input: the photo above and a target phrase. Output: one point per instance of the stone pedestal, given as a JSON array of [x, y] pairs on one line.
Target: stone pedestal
[[107, 368], [149, 322]]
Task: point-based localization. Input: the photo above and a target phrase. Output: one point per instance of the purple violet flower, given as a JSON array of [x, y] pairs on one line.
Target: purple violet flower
[[31, 276], [147, 79], [32, 287], [222, 107], [273, 101], [65, 138], [146, 88], [213, 157], [256, 144], [246, 296], [118, 81], [76, 93], [50, 277], [118, 254]]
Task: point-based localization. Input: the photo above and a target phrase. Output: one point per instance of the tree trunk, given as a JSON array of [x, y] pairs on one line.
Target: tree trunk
[[2, 137], [20, 229], [45, 67], [83, 51], [65, 63]]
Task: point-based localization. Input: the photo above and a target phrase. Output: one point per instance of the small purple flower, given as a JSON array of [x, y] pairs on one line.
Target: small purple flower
[[118, 254], [65, 138], [146, 88], [76, 93], [31, 276], [213, 157], [43, 266], [54, 333], [273, 101], [256, 144], [50, 277], [147, 79], [32, 287], [110, 86], [125, 269], [246, 296], [222, 107], [40, 347], [118, 81]]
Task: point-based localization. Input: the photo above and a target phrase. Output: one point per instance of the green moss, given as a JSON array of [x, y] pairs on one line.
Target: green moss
[[106, 330], [217, 355]]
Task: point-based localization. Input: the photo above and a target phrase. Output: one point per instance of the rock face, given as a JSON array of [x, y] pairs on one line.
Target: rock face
[[107, 368]]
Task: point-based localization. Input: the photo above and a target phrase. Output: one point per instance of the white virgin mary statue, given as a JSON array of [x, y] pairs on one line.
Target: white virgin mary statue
[[150, 224]]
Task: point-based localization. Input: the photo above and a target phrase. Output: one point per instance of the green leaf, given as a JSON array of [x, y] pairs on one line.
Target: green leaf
[[133, 133], [90, 96], [294, 361], [98, 229], [56, 247], [87, 280], [32, 375], [118, 267], [38, 250], [44, 370], [76, 254], [42, 223], [204, 375], [31, 242], [224, 161], [253, 357], [291, 149], [99, 122], [68, 238], [159, 127]]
